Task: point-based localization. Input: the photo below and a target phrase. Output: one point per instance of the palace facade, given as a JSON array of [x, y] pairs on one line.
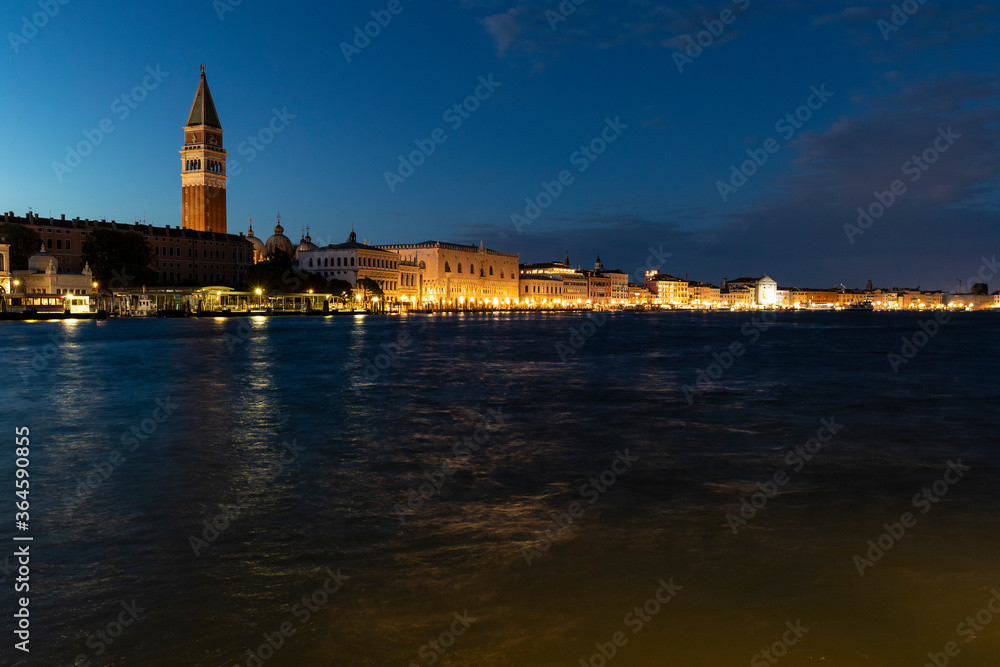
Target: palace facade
[[457, 274]]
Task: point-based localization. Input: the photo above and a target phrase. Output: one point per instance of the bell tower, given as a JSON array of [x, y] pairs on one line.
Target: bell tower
[[203, 165]]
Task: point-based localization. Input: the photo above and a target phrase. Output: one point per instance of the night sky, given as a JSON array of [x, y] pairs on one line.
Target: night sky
[[683, 116]]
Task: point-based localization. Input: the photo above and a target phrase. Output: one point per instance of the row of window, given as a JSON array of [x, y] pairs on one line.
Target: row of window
[[59, 244], [549, 289], [195, 165], [205, 254], [364, 261], [472, 270]]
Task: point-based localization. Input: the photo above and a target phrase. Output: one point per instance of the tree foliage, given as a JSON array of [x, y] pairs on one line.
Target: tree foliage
[[980, 288], [120, 259], [24, 242], [370, 285]]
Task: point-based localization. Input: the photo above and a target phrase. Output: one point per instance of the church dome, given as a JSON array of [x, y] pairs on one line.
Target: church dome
[[279, 241], [259, 252], [305, 244], [42, 261]]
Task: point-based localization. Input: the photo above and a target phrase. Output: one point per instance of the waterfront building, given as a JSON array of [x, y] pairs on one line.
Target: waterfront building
[[765, 289], [462, 276], [5, 279], [619, 286], [609, 286], [575, 288], [738, 297], [411, 283], [970, 301], [703, 295], [182, 256], [352, 261], [43, 276], [638, 295], [667, 290], [598, 288], [815, 298], [203, 165], [542, 290]]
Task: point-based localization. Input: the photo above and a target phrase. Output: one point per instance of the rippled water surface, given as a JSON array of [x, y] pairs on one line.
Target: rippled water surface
[[362, 411]]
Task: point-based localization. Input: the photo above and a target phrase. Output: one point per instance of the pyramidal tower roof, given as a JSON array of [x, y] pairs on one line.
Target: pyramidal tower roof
[[203, 108]]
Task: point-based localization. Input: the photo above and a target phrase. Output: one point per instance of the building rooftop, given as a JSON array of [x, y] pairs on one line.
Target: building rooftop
[[203, 108]]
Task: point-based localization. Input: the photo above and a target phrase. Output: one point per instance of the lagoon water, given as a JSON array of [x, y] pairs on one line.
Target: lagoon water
[[119, 498]]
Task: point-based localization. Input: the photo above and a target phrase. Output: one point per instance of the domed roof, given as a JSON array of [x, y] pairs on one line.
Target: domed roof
[[279, 241], [258, 245], [305, 244], [43, 262]]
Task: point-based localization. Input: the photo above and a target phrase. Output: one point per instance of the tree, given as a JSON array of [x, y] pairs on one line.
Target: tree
[[24, 242], [980, 288], [341, 289], [369, 285], [120, 259]]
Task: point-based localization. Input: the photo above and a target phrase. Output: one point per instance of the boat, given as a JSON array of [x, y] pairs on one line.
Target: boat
[[144, 308], [861, 305]]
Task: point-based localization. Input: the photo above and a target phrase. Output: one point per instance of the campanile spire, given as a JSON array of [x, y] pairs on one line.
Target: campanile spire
[[203, 165]]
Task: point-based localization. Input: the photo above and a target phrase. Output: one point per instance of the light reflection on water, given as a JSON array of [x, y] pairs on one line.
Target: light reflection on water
[[366, 442]]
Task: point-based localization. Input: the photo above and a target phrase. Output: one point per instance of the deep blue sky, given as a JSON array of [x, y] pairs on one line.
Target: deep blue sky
[[655, 186]]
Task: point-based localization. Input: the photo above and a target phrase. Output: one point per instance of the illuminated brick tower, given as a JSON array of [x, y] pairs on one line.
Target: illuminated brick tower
[[203, 165]]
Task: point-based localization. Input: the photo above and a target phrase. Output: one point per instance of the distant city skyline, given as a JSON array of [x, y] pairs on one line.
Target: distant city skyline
[[741, 156]]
